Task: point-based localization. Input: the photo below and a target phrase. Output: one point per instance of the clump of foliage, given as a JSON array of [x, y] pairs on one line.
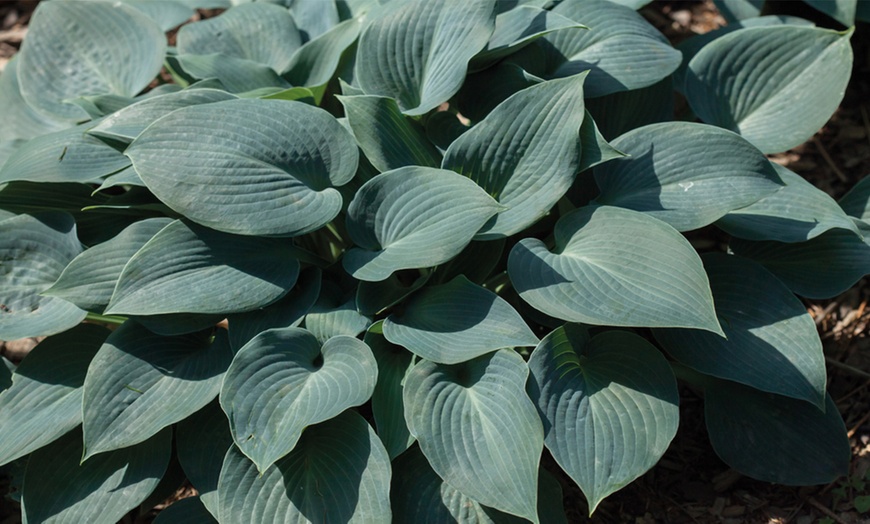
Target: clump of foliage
[[444, 235]]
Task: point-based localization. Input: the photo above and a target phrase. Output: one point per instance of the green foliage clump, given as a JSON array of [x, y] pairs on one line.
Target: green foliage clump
[[365, 262]]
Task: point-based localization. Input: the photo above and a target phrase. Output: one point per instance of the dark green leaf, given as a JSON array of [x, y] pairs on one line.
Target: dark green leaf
[[856, 202], [201, 439], [388, 407]]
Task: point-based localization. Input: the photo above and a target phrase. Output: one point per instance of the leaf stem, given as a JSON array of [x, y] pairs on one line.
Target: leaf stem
[[106, 319], [498, 283]]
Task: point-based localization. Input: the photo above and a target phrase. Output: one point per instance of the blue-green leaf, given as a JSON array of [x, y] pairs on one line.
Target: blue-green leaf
[[797, 212], [283, 381], [478, 429], [388, 406], [314, 64], [615, 267], [253, 167], [776, 86], [140, 383], [688, 175], [412, 217], [772, 343], [76, 49], [335, 314], [58, 488], [856, 202], [20, 121], [439, 38], [34, 249], [339, 471], [236, 75], [842, 11], [187, 268], [609, 404], [525, 153], [45, 398], [456, 322], [621, 50], [89, 279]]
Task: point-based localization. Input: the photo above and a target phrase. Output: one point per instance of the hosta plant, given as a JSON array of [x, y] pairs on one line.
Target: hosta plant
[[336, 261]]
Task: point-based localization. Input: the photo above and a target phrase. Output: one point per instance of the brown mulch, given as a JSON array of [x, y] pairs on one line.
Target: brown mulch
[[690, 484]]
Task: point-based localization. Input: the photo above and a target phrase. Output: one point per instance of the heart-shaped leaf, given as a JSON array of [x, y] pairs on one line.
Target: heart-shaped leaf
[[140, 383], [609, 404], [798, 80], [338, 471], [615, 267], [34, 249], [819, 268], [621, 50], [89, 279], [20, 121], [45, 398], [76, 49], [688, 175], [315, 63], [126, 124], [200, 438], [456, 322], [774, 438], [797, 212], [772, 343], [420, 496], [258, 32], [479, 429], [236, 75], [282, 381], [186, 268], [70, 155], [252, 167], [412, 217], [440, 37], [58, 488], [332, 316], [286, 312], [388, 138], [525, 153], [388, 406]]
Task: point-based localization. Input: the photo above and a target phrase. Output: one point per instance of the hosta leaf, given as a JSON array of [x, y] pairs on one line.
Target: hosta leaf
[[236, 75], [282, 381], [258, 32], [34, 249], [332, 315], [456, 322], [388, 407], [314, 17], [89, 279], [374, 297], [315, 63], [842, 11], [24, 197], [484, 91], [168, 14], [127, 123], [172, 324], [795, 213], [286, 312], [420, 496], [615, 267], [688, 175], [6, 369], [253, 167], [125, 177], [185, 511], [734, 10], [20, 121], [476, 262], [339, 471], [518, 28], [776, 439], [772, 342], [619, 113], [187, 268], [856, 202], [479, 429], [443, 128], [70, 155], [77, 49], [140, 383], [819, 268], [200, 439], [776, 86], [525, 153], [621, 50], [439, 36], [609, 405], [57, 488], [594, 148], [388, 138], [44, 401], [412, 217]]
